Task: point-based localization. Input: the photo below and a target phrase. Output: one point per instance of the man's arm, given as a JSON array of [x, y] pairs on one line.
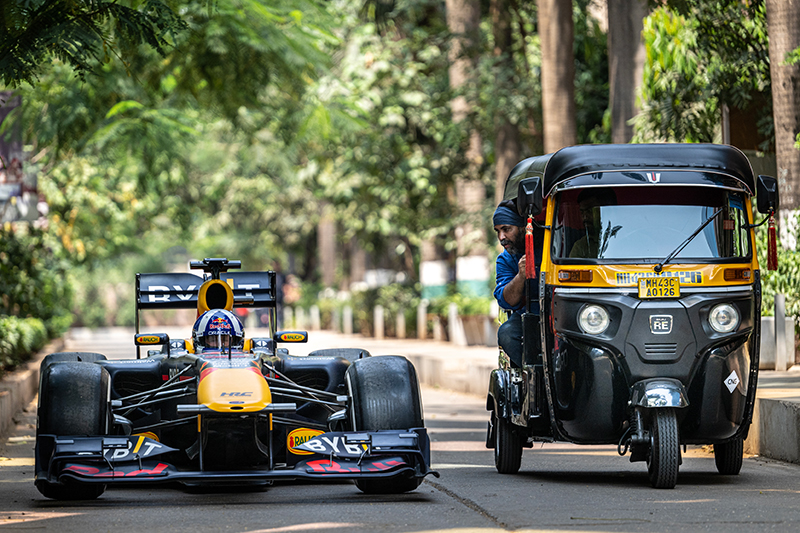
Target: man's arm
[[515, 290]]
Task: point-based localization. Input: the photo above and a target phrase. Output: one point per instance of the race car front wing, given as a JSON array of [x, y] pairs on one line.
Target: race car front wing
[[138, 459]]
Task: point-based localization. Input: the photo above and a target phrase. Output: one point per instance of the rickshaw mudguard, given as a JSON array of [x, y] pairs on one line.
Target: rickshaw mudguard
[[658, 392], [497, 400]]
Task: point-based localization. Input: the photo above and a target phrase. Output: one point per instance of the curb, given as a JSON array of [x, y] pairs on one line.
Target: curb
[[19, 387], [774, 431]]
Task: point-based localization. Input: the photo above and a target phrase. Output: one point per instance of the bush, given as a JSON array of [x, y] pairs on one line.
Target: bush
[[19, 338]]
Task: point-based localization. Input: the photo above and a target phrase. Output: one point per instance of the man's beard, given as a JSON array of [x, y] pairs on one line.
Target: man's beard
[[518, 246]]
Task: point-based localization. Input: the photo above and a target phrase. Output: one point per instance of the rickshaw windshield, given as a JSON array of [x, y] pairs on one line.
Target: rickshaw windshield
[[645, 224]]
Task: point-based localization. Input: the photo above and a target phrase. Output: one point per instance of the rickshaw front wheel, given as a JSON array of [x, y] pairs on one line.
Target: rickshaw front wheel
[[664, 457], [728, 456], [507, 447]]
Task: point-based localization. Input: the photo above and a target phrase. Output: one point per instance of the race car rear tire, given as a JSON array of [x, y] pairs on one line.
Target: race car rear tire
[[73, 400], [385, 393]]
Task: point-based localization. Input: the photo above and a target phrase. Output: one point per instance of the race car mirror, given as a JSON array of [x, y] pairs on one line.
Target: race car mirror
[[291, 336], [151, 339]]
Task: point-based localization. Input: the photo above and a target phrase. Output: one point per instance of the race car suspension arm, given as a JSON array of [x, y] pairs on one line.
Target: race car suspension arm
[[165, 395], [312, 393], [298, 423], [288, 393], [167, 423]]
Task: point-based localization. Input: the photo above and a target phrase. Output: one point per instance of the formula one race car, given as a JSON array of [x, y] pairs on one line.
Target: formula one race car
[[223, 409]]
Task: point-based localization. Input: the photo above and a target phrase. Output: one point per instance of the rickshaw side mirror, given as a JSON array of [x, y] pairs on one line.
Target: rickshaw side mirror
[[529, 196], [766, 194]]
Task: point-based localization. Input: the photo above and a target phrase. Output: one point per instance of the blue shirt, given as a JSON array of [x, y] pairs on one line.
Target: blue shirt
[[506, 269]]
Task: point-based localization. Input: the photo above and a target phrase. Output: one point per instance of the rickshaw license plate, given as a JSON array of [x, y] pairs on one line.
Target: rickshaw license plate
[[659, 288]]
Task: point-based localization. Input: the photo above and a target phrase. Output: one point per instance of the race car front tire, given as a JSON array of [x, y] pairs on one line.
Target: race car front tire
[[73, 400], [385, 393]]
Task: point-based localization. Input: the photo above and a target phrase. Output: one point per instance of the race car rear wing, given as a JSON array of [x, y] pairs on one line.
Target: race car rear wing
[[178, 290]]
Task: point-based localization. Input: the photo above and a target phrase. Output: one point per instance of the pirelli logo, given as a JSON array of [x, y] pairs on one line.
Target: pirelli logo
[[686, 277]]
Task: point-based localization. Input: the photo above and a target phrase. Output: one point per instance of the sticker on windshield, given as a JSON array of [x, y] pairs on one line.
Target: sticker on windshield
[[732, 381]]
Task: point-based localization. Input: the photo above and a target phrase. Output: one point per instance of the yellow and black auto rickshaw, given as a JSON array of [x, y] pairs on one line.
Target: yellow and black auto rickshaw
[[650, 298]]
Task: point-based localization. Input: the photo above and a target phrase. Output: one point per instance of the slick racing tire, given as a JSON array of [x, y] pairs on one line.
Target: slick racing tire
[[728, 457], [73, 400], [60, 357], [351, 354], [385, 393]]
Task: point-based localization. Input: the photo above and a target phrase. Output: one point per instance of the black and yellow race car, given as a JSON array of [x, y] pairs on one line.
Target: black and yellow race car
[[241, 411]]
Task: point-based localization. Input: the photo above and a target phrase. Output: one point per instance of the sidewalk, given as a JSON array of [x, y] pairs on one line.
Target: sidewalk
[[775, 432]]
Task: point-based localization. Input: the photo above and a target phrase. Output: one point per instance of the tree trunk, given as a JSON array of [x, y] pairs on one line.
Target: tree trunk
[[626, 56], [472, 263], [558, 74], [783, 26], [507, 138]]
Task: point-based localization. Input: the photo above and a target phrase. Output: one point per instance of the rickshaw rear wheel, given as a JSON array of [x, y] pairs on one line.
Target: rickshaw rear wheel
[[665, 452], [728, 456], [507, 447]]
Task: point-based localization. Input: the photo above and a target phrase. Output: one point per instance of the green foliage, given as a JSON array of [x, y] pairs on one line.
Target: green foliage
[[701, 55], [785, 280], [19, 338], [32, 279], [82, 33]]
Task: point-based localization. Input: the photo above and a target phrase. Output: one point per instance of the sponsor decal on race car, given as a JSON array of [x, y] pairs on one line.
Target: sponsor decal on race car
[[131, 471], [298, 437], [329, 466], [121, 449], [334, 444], [292, 336]]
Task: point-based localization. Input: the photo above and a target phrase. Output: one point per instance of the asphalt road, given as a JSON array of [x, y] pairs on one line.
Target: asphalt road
[[559, 488]]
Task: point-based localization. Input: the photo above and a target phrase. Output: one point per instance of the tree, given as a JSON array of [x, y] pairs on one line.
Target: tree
[[507, 146], [82, 34], [626, 56], [558, 73], [783, 20]]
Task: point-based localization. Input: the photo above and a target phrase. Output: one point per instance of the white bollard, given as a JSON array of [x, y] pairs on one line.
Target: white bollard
[[780, 333], [315, 318], [347, 320], [378, 322], [456, 332], [288, 318], [335, 324], [400, 324], [422, 320], [300, 318]]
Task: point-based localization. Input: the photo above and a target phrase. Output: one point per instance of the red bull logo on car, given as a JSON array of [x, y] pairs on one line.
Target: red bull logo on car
[[300, 436]]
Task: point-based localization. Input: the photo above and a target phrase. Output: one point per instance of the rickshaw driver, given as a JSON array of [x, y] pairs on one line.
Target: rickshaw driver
[[589, 203], [510, 279]]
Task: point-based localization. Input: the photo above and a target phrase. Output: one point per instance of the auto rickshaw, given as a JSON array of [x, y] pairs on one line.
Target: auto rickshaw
[[650, 297]]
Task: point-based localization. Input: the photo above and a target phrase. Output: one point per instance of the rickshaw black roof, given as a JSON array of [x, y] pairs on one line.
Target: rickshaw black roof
[[593, 158]]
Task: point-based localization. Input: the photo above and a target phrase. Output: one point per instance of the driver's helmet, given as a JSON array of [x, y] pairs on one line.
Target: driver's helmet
[[218, 329]]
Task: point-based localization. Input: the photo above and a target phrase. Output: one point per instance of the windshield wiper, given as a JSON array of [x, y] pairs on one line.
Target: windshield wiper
[[689, 239]]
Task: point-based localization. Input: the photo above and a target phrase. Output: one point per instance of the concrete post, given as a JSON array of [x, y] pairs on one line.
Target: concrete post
[[288, 319], [347, 320], [300, 318], [422, 320], [316, 322], [456, 332], [335, 324], [378, 322], [400, 324], [780, 333]]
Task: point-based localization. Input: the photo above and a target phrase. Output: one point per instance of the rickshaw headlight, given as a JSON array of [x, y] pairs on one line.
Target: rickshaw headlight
[[593, 319], [723, 318]]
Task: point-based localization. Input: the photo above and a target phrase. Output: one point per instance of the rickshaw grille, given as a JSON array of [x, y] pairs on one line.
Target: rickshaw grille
[[660, 350]]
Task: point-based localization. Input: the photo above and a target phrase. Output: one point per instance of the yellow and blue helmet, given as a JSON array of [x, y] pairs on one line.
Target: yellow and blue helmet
[[218, 329]]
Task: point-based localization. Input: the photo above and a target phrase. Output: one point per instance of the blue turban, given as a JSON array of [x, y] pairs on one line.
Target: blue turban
[[506, 216]]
